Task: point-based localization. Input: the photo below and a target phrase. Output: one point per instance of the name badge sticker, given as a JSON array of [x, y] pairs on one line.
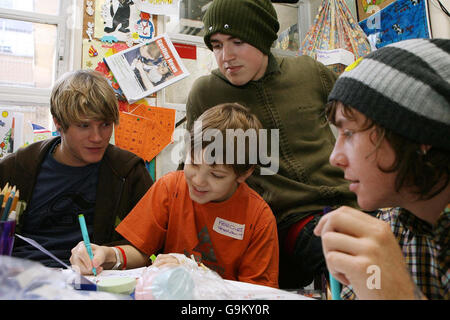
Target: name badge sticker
[[229, 228]]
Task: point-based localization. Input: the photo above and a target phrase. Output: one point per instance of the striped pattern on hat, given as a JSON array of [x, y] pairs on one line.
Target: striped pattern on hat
[[404, 87]]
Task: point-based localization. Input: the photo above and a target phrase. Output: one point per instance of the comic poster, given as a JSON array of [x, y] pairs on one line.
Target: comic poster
[[146, 68], [401, 20]]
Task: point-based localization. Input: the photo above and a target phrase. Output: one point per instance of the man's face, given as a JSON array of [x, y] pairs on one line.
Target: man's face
[[238, 61], [354, 154], [85, 143]]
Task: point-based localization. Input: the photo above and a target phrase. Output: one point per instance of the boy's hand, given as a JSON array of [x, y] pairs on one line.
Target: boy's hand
[[165, 260], [358, 248], [81, 261]]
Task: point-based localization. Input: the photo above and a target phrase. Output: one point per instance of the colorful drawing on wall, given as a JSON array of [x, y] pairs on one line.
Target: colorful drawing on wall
[[40, 133], [401, 20], [145, 27], [11, 131], [146, 130], [368, 7], [116, 20]]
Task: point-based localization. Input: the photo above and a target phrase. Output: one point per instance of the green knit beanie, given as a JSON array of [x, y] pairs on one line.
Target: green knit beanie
[[252, 21]]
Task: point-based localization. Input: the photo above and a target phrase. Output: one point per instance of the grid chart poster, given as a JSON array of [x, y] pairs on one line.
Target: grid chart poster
[[401, 20], [145, 131]]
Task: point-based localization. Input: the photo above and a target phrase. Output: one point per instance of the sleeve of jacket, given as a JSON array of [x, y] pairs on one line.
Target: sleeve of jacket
[[195, 103], [141, 181]]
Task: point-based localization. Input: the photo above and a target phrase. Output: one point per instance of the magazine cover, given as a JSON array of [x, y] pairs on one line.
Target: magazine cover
[[147, 68]]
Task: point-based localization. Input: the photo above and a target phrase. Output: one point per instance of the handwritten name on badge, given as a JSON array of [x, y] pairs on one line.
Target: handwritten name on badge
[[228, 228]]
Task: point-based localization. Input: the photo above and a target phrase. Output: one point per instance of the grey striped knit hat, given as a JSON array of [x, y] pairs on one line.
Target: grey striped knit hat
[[404, 87]]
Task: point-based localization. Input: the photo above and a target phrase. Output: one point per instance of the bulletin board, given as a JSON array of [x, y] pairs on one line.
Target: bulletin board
[[111, 26]]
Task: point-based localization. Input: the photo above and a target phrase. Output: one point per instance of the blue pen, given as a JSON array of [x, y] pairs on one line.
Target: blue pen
[[87, 243], [335, 286]]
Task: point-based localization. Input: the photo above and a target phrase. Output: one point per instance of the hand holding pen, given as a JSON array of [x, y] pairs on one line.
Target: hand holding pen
[[87, 246]]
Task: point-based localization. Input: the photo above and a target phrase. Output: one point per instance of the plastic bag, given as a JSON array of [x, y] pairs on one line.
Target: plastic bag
[[188, 281], [22, 279]]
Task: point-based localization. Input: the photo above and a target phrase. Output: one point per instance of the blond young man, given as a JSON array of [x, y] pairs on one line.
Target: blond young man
[[206, 210], [78, 172]]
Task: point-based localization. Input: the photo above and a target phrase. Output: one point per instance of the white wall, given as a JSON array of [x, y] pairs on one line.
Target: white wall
[[440, 22]]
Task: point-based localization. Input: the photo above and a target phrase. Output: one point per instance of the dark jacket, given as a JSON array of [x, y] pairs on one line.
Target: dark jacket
[[123, 180], [291, 97]]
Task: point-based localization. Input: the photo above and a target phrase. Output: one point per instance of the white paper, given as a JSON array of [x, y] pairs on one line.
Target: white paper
[[249, 291], [328, 57], [131, 273], [41, 248], [161, 7]]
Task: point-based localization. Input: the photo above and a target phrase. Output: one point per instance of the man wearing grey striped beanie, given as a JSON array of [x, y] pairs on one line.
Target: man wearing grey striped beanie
[[392, 112]]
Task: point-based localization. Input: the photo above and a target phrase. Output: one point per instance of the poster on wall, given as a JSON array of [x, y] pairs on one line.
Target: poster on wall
[[146, 68], [121, 20], [368, 7], [162, 7], [401, 20], [11, 131]]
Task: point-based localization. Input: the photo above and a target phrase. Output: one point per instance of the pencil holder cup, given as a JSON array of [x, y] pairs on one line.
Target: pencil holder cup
[[7, 230]]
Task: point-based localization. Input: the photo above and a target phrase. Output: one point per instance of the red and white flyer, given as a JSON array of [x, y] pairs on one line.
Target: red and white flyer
[[146, 68]]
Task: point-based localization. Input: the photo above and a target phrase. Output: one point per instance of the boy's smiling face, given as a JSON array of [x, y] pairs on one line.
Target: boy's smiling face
[[211, 183]]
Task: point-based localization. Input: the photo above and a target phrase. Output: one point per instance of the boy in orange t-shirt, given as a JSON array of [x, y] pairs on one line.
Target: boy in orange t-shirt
[[207, 210]]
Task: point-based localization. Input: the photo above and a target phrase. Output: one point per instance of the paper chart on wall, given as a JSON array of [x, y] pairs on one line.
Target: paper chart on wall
[[146, 131]]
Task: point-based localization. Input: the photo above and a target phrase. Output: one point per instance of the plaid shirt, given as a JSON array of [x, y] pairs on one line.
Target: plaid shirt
[[426, 250]]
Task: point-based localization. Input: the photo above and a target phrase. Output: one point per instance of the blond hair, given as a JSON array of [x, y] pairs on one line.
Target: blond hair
[[81, 95]]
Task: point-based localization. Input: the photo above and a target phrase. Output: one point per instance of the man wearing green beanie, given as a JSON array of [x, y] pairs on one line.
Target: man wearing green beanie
[[287, 94]]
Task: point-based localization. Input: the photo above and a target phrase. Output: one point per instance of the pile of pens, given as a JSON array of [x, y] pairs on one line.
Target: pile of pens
[[11, 206]]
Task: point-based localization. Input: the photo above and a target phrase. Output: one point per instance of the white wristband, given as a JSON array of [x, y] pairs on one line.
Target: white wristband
[[117, 265]]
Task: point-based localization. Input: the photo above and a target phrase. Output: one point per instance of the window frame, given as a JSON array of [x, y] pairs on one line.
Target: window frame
[[68, 39]]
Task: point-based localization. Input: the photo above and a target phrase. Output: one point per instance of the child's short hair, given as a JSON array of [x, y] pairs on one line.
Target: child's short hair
[[83, 94], [239, 129]]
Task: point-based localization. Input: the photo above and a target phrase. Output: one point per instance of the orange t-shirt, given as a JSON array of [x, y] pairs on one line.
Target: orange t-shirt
[[237, 238]]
